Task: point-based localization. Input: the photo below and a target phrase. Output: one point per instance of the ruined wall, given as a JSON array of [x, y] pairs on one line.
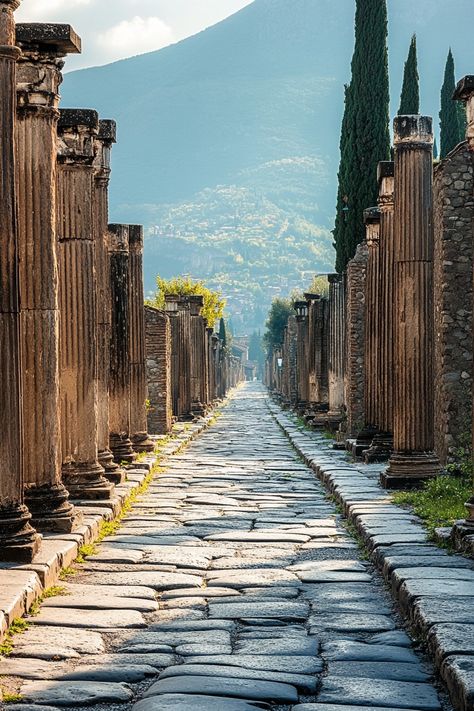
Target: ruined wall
[[355, 340], [453, 218], [158, 361]]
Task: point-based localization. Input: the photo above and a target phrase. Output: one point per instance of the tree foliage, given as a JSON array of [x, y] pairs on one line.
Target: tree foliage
[[452, 115], [214, 304], [365, 136], [280, 311], [319, 285], [410, 97]]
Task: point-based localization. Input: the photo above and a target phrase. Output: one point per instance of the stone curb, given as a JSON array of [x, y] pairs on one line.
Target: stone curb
[[434, 590], [21, 585]]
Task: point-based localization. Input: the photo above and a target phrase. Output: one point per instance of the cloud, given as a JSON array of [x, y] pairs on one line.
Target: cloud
[[135, 36], [42, 9]]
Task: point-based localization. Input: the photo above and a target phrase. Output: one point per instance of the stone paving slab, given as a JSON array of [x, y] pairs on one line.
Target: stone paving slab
[[185, 702], [380, 692], [68, 693], [221, 686]]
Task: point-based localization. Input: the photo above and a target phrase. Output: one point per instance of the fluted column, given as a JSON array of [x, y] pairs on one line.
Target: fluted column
[[302, 380], [413, 459], [103, 142], [314, 348], [210, 366], [38, 80], [382, 444], [82, 473], [370, 428], [119, 383], [18, 540], [465, 92], [196, 303], [336, 306], [137, 339]]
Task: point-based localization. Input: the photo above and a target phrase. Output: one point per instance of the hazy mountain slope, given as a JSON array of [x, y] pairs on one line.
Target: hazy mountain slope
[[253, 103]]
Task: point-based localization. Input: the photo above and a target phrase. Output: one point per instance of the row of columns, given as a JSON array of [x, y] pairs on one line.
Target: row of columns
[[382, 318], [72, 336]]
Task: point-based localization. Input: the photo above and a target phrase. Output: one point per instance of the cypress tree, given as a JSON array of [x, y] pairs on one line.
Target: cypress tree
[[410, 97], [223, 332], [450, 130], [365, 137]]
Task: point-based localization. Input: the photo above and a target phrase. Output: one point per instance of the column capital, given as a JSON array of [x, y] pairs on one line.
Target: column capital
[[465, 92], [312, 297], [7, 29], [118, 238], [196, 303], [135, 238], [335, 278], [77, 130], [413, 132], [103, 141], [386, 181], [372, 226]]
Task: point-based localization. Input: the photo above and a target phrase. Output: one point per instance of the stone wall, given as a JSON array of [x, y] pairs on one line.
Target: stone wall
[[158, 360], [453, 218]]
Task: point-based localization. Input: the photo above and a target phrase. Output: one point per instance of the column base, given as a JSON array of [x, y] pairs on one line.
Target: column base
[[381, 448], [142, 443], [364, 440], [87, 481], [334, 419], [122, 449], [409, 470], [112, 471], [51, 509], [19, 542]]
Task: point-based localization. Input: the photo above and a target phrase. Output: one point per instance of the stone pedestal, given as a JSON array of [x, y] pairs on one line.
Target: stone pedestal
[[104, 140], [119, 384], [137, 340], [38, 80], [18, 540], [82, 473], [413, 459]]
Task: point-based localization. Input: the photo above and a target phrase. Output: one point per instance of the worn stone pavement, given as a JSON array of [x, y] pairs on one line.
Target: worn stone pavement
[[232, 585]]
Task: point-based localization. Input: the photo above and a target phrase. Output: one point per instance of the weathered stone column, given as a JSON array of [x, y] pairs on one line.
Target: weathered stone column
[[82, 473], [210, 368], [158, 356], [38, 78], [313, 349], [197, 355], [317, 358], [103, 145], [382, 444], [413, 459], [137, 344], [119, 384], [354, 382], [178, 309], [302, 375], [18, 540], [465, 92], [371, 344], [337, 319]]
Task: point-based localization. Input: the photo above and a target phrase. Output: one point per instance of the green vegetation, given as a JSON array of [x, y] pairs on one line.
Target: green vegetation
[[18, 626], [10, 697], [67, 572], [319, 285], [85, 551], [453, 114], [365, 137], [214, 304], [440, 502], [410, 98], [280, 312]]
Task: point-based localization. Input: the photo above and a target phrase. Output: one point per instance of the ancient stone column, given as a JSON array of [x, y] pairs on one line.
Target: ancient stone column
[[197, 355], [336, 307], [38, 78], [210, 368], [313, 349], [317, 358], [82, 473], [119, 383], [465, 92], [302, 375], [158, 356], [104, 140], [18, 540], [178, 309], [413, 459], [371, 344], [137, 344]]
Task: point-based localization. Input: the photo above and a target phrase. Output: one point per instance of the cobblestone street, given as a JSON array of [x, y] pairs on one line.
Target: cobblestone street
[[231, 585]]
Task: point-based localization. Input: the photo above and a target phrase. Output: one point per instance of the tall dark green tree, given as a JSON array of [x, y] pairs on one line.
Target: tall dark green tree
[[365, 137], [223, 332], [410, 97], [451, 123]]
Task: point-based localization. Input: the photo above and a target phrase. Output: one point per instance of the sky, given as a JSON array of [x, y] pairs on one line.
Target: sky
[[114, 29]]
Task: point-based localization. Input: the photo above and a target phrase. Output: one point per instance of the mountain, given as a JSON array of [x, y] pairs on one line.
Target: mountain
[[228, 140]]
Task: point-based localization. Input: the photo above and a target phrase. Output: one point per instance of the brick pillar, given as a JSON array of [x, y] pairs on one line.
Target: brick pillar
[[38, 78], [337, 320], [197, 355], [355, 339], [158, 356], [371, 345], [82, 473], [413, 459], [137, 344], [119, 383], [18, 540], [103, 145], [465, 92]]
